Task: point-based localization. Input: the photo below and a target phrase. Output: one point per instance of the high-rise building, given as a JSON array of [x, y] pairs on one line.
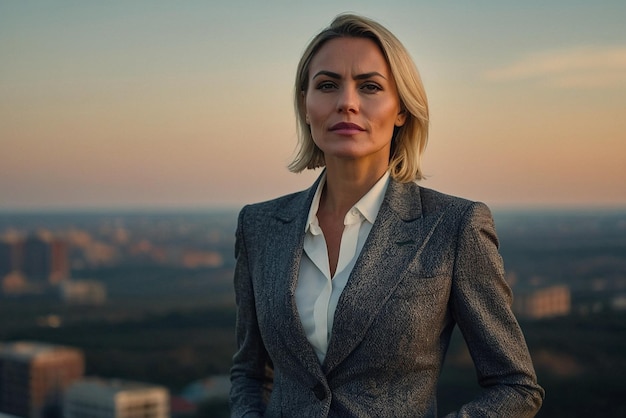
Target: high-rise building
[[45, 258], [34, 376], [112, 398], [36, 262], [59, 261], [6, 258], [11, 252]]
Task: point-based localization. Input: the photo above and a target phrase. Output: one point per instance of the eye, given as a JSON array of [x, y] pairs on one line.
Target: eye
[[326, 85], [371, 87]]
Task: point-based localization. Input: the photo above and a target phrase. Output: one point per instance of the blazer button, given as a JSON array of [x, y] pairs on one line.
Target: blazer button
[[319, 392]]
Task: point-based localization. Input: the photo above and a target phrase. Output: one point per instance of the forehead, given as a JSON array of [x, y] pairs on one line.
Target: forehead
[[349, 54]]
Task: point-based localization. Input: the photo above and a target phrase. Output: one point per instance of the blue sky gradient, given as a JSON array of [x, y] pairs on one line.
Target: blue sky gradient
[[188, 104]]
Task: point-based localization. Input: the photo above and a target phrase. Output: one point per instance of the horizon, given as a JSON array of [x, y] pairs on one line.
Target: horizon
[[208, 210]]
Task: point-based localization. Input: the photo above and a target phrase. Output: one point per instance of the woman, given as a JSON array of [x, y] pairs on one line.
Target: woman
[[347, 293]]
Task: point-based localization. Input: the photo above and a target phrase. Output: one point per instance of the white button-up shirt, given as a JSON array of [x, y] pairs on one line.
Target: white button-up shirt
[[317, 293]]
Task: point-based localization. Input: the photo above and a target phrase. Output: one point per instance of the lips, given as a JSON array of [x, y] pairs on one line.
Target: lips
[[346, 126], [346, 129]]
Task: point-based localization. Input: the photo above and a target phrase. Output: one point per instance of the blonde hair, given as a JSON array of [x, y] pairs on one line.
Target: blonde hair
[[409, 140]]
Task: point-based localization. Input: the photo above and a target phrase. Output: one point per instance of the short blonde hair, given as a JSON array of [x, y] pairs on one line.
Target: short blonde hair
[[410, 139]]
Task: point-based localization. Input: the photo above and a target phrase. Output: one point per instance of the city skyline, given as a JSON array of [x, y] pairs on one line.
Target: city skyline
[[188, 105]]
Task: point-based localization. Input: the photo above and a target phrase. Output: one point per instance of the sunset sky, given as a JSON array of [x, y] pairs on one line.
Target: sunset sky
[[187, 104]]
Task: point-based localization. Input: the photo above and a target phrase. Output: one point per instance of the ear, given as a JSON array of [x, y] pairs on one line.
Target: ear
[[401, 118]]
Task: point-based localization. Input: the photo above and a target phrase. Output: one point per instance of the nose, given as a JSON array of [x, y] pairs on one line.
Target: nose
[[348, 101]]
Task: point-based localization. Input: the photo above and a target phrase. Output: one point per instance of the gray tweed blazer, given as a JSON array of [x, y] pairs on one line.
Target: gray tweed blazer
[[431, 261]]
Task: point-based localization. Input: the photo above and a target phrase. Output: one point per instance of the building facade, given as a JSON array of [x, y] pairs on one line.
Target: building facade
[[543, 303], [34, 377], [83, 292], [114, 398], [45, 259]]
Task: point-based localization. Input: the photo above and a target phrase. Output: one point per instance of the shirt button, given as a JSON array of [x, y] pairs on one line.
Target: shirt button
[[319, 392]]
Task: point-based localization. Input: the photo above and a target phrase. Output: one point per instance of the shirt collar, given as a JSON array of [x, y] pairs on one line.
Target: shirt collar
[[368, 206]]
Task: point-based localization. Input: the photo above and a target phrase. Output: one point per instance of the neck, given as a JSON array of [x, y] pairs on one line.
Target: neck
[[346, 185]]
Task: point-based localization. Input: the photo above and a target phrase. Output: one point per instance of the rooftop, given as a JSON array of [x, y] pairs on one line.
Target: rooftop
[[29, 350], [112, 387]]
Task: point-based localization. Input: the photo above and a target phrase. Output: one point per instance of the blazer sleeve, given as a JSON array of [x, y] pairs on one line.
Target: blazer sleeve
[[481, 305], [252, 371]]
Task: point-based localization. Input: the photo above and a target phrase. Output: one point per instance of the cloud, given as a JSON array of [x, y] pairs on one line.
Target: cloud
[[580, 67]]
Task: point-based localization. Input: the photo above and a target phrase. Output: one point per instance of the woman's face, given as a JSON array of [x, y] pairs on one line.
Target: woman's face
[[352, 103]]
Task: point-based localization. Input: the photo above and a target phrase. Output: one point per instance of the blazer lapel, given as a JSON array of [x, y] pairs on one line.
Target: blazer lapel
[[288, 226], [396, 237]]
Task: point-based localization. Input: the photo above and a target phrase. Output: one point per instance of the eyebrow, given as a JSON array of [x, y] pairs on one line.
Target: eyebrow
[[356, 77]]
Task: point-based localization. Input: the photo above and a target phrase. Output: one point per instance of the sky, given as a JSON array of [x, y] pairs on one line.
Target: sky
[[188, 104]]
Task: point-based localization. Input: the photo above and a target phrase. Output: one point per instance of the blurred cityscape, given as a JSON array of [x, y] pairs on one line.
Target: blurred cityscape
[[132, 314]]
